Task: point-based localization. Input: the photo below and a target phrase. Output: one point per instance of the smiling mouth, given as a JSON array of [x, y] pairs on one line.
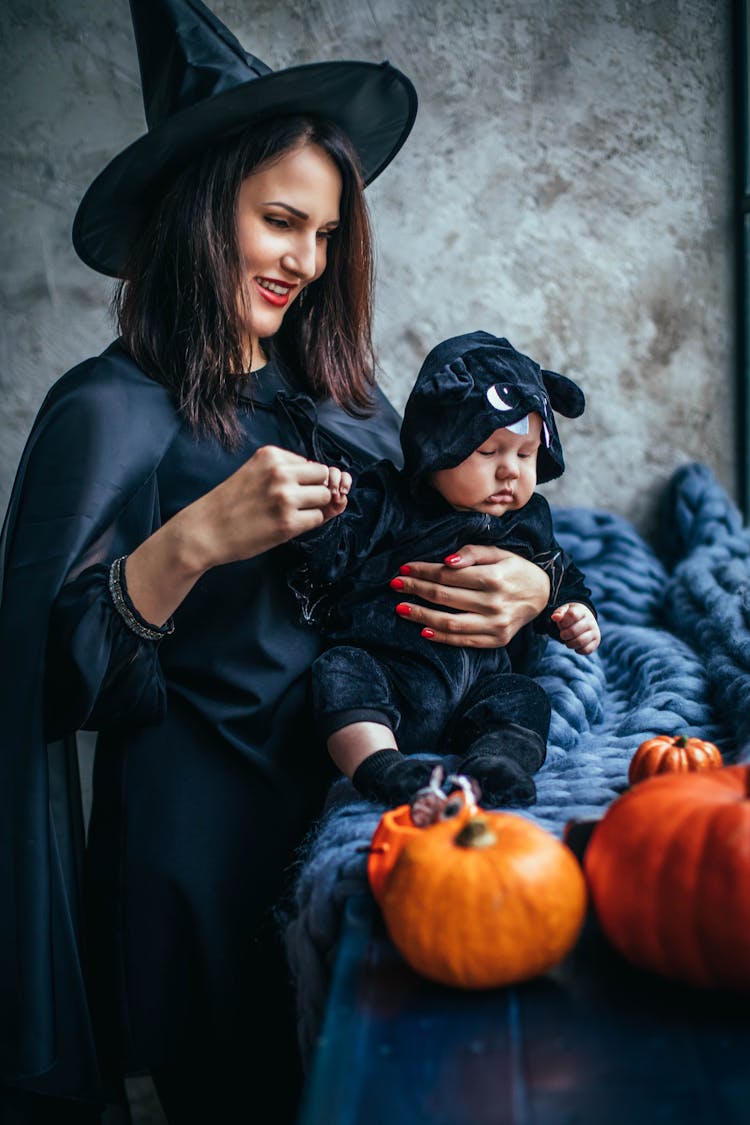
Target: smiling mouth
[[275, 292]]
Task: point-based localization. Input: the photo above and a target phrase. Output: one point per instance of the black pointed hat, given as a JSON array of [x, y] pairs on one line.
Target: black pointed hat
[[200, 85]]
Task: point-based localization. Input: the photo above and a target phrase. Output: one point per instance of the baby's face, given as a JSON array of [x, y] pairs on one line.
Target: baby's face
[[498, 477]]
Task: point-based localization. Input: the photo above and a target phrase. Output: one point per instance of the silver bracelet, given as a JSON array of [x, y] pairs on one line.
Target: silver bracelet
[[124, 606]]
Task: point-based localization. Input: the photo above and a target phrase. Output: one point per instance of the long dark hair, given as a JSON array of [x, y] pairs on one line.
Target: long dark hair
[[178, 310]]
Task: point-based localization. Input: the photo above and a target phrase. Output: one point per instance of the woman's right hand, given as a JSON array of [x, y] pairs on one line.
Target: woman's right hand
[[275, 496]]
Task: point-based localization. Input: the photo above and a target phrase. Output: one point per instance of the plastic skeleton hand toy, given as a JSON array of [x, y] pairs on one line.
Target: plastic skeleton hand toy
[[432, 803]]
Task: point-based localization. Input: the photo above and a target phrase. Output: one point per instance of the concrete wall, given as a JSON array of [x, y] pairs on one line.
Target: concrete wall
[[567, 184]]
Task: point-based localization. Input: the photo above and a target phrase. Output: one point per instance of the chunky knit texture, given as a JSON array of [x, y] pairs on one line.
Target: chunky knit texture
[[674, 659]]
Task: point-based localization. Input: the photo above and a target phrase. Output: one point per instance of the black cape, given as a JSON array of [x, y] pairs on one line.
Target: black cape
[[62, 505], [57, 509]]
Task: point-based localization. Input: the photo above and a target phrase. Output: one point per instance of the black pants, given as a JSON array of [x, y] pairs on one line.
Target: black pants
[[441, 706]]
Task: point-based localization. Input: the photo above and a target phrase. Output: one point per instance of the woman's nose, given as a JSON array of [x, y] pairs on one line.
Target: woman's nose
[[301, 259]]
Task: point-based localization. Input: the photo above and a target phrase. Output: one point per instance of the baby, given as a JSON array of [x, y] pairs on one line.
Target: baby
[[478, 434]]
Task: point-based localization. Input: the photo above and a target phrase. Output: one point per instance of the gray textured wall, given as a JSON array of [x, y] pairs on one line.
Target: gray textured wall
[[567, 184]]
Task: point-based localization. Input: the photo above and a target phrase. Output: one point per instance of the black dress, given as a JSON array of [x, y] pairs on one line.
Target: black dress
[[206, 774]]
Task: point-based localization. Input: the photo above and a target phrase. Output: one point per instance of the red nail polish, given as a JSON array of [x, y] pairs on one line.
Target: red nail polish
[[403, 609], [405, 569], [428, 633], [396, 584], [451, 560]]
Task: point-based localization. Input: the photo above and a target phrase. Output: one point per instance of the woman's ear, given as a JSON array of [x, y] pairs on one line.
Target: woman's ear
[[566, 397]]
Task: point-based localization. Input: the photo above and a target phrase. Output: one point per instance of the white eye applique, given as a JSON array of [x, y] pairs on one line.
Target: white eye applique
[[495, 398]]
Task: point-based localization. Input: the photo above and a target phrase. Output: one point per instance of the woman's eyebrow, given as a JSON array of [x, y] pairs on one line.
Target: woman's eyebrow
[[297, 213], [286, 206]]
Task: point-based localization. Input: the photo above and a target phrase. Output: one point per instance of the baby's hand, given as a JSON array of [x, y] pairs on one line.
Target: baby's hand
[[578, 627], [339, 482]]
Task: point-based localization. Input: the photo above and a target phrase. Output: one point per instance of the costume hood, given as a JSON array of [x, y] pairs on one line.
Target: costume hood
[[471, 385], [199, 86]]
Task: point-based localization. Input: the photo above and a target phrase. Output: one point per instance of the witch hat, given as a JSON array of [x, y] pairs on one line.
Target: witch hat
[[199, 86]]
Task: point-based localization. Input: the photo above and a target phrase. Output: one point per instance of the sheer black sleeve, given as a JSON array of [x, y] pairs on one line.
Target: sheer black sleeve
[[100, 673]]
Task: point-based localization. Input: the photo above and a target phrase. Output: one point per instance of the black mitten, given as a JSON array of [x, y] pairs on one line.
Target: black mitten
[[391, 778], [503, 762]]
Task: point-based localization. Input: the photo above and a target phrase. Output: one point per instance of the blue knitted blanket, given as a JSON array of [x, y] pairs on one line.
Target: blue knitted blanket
[[674, 658]]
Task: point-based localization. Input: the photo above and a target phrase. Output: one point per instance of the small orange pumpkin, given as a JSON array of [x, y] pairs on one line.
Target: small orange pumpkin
[[668, 868], [672, 754], [484, 899], [394, 828]]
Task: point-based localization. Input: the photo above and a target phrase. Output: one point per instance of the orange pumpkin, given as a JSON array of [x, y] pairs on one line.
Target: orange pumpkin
[[668, 868], [395, 828], [672, 754], [484, 899]]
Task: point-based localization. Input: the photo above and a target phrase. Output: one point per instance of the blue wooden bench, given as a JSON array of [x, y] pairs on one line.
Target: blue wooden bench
[[593, 1042]]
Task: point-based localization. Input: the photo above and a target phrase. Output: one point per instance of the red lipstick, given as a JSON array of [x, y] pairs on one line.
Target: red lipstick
[[278, 300]]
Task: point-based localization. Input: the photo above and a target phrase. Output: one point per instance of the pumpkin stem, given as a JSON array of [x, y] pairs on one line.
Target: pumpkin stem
[[476, 833], [681, 741]]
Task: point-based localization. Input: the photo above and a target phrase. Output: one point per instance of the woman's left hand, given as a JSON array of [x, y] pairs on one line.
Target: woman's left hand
[[495, 593]]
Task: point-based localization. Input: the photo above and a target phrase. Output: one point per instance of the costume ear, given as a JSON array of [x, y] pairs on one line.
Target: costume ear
[[565, 396], [452, 383]]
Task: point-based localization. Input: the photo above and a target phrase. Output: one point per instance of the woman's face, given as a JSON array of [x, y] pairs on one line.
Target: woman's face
[[498, 477], [287, 212]]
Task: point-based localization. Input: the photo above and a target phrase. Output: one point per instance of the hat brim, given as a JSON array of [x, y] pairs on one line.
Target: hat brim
[[374, 103]]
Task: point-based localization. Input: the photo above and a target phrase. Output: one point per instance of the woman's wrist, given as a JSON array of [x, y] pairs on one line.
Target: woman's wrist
[[127, 609], [544, 588], [188, 547], [163, 570]]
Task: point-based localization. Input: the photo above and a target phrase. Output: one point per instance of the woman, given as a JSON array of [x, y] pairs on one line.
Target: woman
[[141, 578]]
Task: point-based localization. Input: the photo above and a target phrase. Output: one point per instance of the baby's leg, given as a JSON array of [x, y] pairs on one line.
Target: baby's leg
[[358, 714], [504, 730], [350, 745], [367, 753], [503, 762]]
